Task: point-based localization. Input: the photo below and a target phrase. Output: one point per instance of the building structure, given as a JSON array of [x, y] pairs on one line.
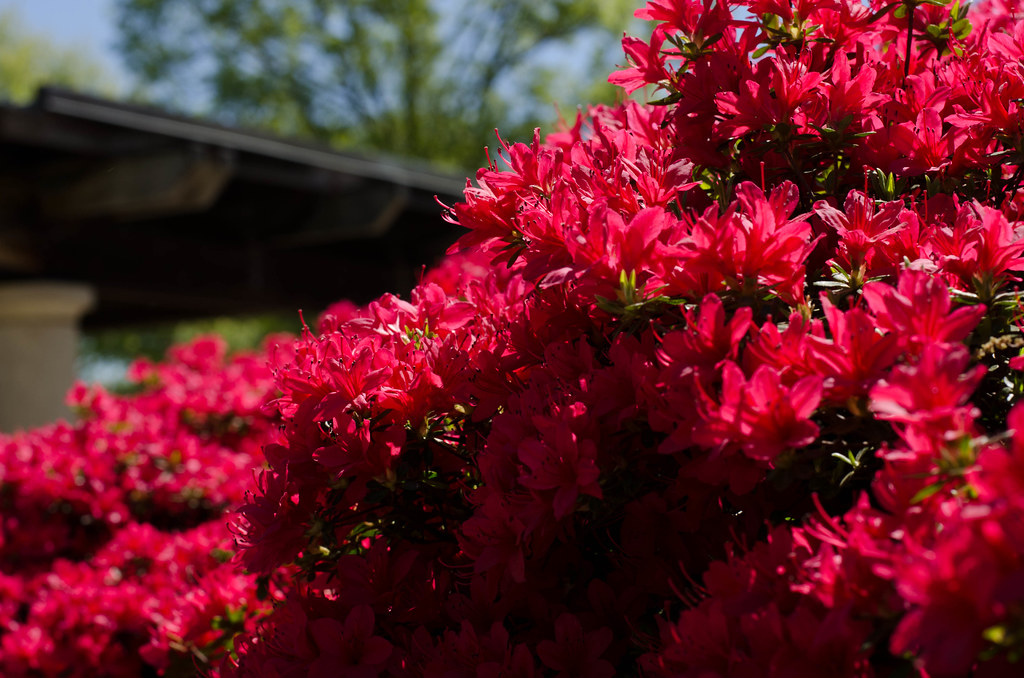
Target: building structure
[[118, 214]]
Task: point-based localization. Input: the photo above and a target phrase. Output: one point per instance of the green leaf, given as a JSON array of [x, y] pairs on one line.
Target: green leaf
[[236, 615], [847, 458], [222, 555], [962, 28], [672, 98], [995, 634], [263, 587], [712, 40], [927, 491], [609, 306], [882, 12]]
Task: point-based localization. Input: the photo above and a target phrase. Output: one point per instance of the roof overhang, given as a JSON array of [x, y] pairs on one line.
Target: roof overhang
[[169, 217]]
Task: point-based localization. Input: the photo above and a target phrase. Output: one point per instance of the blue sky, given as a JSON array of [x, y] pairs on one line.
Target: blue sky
[[86, 23]]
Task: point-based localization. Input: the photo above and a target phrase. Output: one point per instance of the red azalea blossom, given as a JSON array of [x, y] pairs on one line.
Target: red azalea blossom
[[574, 652], [725, 385]]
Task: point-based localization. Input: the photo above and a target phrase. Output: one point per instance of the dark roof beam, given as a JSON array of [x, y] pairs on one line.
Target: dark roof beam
[[147, 120], [259, 170], [363, 216], [34, 128], [175, 181], [16, 256]]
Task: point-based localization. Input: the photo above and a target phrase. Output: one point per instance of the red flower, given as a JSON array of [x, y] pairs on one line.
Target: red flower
[[776, 418], [861, 228], [931, 395], [348, 650], [574, 653], [857, 355], [848, 94], [918, 311], [354, 450], [494, 539], [924, 147], [754, 244], [648, 64], [707, 340], [563, 463], [774, 95]]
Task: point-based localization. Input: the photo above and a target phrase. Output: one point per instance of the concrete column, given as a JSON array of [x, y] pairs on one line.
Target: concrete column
[[38, 346]]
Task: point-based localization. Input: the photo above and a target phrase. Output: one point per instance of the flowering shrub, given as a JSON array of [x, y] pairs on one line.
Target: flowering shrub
[[727, 385], [735, 396], [114, 555]]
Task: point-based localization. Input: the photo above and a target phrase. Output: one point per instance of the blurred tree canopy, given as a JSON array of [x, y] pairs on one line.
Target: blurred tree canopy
[[415, 78], [29, 61]]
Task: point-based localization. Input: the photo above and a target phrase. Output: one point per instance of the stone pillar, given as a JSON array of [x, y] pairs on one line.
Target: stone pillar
[[38, 345]]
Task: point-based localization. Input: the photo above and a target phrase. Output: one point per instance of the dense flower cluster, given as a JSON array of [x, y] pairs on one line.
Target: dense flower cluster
[[114, 553], [735, 396], [726, 385]]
